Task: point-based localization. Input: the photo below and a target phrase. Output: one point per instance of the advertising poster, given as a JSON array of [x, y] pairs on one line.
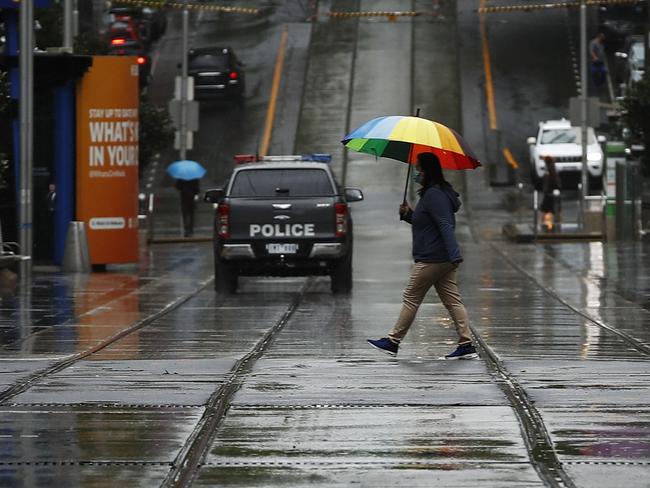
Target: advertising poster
[[107, 158]]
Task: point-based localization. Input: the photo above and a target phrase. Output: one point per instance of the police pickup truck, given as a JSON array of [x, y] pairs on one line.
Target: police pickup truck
[[282, 216]]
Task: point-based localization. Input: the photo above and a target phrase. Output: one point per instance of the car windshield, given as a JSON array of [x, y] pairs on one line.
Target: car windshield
[[566, 136], [637, 52], [209, 61], [285, 182]]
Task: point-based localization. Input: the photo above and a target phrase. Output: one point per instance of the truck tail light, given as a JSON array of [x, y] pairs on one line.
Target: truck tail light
[[341, 212], [223, 221]]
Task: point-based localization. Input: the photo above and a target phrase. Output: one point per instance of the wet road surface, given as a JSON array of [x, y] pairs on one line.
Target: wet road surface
[[144, 376]]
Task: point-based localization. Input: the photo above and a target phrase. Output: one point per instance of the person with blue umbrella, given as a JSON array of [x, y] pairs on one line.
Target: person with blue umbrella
[[187, 174]]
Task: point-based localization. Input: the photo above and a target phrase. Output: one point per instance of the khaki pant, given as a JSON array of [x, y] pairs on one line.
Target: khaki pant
[[423, 277]]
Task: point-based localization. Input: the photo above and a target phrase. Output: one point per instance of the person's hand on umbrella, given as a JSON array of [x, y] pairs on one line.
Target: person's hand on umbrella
[[404, 210]]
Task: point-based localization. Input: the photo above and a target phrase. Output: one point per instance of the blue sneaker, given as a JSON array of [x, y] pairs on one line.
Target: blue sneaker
[[385, 345], [464, 351]]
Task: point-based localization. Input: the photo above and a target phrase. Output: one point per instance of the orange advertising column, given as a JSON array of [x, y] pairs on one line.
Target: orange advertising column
[[107, 158]]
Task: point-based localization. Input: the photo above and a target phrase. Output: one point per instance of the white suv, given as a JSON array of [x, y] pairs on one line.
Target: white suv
[[557, 138]]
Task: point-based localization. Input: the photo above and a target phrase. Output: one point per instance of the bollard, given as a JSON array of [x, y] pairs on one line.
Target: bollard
[[76, 258]]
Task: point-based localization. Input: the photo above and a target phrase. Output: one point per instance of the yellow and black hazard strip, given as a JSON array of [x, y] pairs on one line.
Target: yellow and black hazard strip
[[556, 5], [178, 5], [389, 14]]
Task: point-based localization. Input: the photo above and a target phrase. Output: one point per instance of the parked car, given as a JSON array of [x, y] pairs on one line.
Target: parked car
[[121, 47], [151, 22], [562, 141], [217, 73], [633, 56], [283, 216]]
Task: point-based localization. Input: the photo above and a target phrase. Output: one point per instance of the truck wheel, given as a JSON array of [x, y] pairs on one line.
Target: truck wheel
[[342, 276], [225, 278]]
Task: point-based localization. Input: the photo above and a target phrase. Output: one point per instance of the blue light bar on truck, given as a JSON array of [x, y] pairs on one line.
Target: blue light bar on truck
[[253, 158]]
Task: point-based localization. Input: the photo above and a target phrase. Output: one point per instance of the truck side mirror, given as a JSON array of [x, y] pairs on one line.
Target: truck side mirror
[[353, 194], [214, 195], [531, 141]]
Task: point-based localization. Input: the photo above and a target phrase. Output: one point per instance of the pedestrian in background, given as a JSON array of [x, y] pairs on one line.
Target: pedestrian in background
[[550, 186], [188, 189], [436, 255], [597, 57]]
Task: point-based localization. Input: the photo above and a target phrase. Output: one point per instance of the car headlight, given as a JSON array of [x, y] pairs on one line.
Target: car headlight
[[594, 157]]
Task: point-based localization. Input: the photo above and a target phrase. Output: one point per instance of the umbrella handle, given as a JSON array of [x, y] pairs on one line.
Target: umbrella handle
[[406, 186], [408, 172]]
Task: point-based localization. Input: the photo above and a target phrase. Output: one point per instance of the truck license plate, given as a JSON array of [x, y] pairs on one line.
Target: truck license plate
[[282, 248]]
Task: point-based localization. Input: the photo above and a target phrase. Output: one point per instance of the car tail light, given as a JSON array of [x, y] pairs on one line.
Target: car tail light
[[142, 60], [341, 212], [233, 75], [118, 42], [223, 221]]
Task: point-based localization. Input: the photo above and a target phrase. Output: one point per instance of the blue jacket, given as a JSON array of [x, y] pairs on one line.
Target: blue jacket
[[433, 223]]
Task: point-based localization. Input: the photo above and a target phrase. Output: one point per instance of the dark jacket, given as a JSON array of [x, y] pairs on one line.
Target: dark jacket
[[433, 225]]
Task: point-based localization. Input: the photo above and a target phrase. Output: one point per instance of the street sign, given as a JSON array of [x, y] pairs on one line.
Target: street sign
[[189, 140], [192, 114], [593, 112]]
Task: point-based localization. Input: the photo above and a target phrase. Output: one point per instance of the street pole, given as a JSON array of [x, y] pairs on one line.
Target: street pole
[[26, 109], [184, 49], [647, 40], [583, 101], [67, 24]]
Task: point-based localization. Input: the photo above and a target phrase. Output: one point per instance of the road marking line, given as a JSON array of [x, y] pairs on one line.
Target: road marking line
[[487, 68], [510, 159], [275, 88]]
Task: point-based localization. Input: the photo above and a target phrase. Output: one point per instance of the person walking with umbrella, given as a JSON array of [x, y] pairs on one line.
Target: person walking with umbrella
[[437, 256], [187, 174], [188, 190]]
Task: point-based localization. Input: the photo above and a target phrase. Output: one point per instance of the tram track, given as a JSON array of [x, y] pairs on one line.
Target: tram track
[[630, 340], [25, 384], [537, 439], [538, 442], [189, 460]]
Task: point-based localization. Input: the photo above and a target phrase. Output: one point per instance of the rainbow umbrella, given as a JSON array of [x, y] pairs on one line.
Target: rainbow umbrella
[[403, 138]]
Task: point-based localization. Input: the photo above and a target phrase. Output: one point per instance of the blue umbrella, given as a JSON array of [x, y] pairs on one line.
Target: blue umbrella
[[186, 170]]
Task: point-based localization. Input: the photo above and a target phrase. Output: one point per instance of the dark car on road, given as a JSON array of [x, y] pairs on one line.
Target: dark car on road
[[283, 216], [121, 47], [217, 73]]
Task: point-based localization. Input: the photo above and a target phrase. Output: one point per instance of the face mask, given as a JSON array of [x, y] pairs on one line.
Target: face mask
[[416, 176]]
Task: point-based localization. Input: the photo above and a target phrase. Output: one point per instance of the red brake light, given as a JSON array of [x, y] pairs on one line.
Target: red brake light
[[245, 158], [341, 212], [118, 42], [223, 221], [233, 75], [142, 60]]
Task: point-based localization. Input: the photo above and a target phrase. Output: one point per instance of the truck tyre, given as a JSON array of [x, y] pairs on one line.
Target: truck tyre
[[225, 278], [341, 276]]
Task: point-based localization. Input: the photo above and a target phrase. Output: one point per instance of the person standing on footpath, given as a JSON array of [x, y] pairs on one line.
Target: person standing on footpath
[[188, 189], [597, 56], [551, 184], [436, 255]]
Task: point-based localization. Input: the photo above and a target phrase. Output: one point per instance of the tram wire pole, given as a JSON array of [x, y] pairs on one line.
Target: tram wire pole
[[26, 114], [583, 105], [184, 49]]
